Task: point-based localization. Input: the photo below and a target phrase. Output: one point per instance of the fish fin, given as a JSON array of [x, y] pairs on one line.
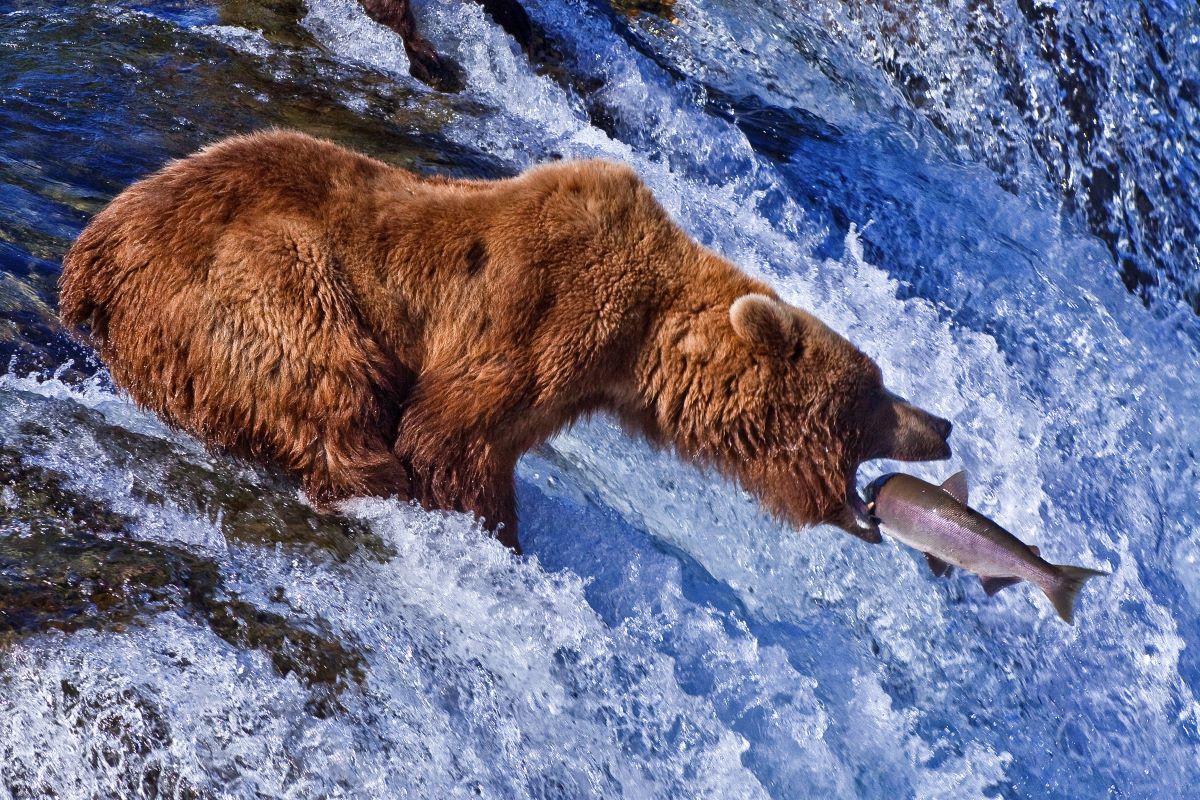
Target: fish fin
[[939, 568], [991, 585], [1033, 548], [1063, 592], [869, 535], [956, 486]]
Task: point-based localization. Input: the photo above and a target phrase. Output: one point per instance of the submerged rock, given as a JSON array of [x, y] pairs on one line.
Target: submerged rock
[[68, 562]]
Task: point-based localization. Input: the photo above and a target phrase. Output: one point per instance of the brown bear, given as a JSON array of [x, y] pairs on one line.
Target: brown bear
[[379, 332]]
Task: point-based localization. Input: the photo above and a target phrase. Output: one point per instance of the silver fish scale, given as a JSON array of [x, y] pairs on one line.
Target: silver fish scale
[[926, 517]]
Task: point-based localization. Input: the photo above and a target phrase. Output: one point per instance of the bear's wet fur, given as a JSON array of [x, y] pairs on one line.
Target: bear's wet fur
[[377, 332]]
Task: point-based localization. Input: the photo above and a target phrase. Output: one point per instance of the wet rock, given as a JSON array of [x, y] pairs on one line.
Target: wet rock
[[659, 8], [67, 562], [277, 20], [249, 505]]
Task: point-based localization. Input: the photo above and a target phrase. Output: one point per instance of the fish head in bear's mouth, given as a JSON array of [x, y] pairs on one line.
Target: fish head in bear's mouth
[[862, 508], [857, 518], [904, 433], [871, 493]]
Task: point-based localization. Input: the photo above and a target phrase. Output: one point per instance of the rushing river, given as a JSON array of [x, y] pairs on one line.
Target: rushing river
[[996, 200]]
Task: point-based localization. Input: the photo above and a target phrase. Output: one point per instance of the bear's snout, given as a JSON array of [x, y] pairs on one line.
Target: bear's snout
[[918, 435]]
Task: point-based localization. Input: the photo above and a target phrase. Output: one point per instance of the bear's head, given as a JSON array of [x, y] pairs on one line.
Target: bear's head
[[791, 409]]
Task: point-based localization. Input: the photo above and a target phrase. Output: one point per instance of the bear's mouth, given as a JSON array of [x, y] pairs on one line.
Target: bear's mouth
[[866, 524]]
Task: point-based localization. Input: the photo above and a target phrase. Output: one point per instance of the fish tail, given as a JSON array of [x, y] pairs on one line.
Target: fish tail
[[1063, 591]]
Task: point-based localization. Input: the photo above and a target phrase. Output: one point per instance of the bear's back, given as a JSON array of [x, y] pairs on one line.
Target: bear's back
[[166, 227]]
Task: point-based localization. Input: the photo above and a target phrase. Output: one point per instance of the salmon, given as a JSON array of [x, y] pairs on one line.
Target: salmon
[[937, 521]]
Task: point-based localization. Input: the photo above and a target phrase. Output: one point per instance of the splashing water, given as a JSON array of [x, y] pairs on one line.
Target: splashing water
[[663, 637]]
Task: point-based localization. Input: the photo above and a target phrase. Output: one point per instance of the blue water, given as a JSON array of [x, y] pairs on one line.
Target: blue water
[[663, 637]]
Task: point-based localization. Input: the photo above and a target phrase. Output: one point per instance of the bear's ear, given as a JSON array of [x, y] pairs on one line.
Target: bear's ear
[[765, 323]]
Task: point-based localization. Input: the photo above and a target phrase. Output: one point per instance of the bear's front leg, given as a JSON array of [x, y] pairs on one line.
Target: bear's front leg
[[454, 466]]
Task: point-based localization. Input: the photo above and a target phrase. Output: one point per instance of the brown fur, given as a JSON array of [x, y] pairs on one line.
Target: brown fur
[[378, 332]]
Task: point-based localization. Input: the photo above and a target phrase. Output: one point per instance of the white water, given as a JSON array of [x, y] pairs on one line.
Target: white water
[[663, 637]]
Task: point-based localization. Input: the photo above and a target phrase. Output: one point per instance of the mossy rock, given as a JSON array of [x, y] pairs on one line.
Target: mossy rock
[[68, 562], [250, 505], [277, 20]]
